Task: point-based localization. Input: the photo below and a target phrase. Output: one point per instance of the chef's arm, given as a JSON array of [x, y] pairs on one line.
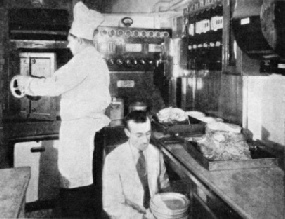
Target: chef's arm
[[114, 202], [63, 80]]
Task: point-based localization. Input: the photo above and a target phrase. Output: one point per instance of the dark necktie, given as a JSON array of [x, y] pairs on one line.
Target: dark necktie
[[142, 172]]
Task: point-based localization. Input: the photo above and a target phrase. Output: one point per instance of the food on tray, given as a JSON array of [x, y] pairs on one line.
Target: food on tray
[[224, 141], [172, 115]]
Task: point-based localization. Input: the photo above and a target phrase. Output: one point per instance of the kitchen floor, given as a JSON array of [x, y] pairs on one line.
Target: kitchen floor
[[43, 209], [45, 213], [48, 213]]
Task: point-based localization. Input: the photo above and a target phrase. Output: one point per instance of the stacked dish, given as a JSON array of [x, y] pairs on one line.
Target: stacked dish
[[169, 206]]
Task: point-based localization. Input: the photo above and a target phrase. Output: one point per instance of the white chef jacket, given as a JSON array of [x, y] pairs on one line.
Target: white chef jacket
[[83, 84], [122, 188]]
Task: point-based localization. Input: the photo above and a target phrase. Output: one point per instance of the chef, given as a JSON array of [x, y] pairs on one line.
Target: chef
[[83, 84]]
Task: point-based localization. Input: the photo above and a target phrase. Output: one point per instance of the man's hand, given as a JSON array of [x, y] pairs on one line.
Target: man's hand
[[149, 215], [23, 82]]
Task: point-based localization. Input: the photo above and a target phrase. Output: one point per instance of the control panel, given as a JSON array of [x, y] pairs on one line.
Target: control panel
[[130, 49]]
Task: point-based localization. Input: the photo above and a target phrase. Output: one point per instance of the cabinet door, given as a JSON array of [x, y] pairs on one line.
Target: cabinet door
[[41, 157], [49, 176], [43, 107], [200, 210], [23, 157]]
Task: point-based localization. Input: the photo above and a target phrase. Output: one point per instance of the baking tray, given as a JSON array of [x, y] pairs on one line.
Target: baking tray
[[180, 128], [260, 159]]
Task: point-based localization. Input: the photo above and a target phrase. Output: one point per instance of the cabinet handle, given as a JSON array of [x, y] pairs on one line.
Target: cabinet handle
[[37, 149]]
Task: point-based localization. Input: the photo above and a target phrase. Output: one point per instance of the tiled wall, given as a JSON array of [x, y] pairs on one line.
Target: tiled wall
[[264, 107]]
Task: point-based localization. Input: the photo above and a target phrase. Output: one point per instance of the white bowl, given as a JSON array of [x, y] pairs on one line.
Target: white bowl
[[169, 205]]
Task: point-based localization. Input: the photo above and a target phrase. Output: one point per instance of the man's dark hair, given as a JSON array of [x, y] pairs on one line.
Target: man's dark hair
[[136, 116]]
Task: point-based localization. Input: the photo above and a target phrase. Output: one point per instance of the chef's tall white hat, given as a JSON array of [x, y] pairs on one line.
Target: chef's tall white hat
[[85, 21]]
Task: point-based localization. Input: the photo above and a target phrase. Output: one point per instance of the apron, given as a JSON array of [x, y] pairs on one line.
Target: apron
[[75, 151]]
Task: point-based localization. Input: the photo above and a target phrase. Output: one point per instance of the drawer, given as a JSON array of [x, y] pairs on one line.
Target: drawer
[[214, 204]]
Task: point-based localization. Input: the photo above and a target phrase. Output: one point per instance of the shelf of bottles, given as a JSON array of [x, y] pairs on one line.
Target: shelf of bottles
[[204, 30]]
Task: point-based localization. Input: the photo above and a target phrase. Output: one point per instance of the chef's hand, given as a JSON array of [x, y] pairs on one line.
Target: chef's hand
[[148, 214], [23, 82]]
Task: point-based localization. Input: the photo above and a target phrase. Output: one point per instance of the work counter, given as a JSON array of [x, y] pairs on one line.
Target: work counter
[[13, 183], [254, 193]]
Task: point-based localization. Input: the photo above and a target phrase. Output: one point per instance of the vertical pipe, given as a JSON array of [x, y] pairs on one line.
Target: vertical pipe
[[173, 88]]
